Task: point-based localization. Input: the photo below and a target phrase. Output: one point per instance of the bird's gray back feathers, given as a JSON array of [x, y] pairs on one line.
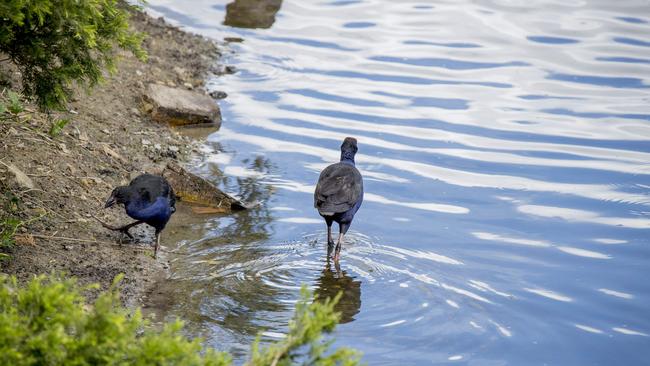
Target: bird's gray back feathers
[[339, 187]]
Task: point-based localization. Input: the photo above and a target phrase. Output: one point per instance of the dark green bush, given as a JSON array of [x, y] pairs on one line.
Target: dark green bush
[[57, 42], [49, 322]]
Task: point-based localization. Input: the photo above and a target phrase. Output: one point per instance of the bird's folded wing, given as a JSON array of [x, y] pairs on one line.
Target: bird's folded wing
[[339, 188]]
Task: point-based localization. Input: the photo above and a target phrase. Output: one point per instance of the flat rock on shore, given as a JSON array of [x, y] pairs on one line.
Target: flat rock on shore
[[180, 107]]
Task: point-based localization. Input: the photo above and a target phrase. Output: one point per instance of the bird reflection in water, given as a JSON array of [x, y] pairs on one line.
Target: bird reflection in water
[[333, 281], [252, 13]]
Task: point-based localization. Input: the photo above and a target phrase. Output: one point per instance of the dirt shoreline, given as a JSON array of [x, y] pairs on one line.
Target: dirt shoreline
[[109, 141]]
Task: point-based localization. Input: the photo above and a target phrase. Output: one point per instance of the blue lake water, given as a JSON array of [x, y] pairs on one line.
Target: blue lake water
[[505, 147]]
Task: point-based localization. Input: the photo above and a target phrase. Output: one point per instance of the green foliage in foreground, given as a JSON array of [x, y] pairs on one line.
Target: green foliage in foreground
[[57, 42], [309, 322], [48, 322]]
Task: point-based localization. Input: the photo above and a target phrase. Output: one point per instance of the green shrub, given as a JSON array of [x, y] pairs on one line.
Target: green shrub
[[48, 322], [15, 106], [57, 126], [57, 42]]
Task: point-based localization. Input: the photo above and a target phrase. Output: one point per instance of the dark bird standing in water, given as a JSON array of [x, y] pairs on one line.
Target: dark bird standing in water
[[149, 199], [339, 194]]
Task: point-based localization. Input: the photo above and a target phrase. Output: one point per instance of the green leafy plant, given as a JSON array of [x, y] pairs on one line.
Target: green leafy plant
[[8, 228], [57, 126], [58, 42], [306, 329], [49, 322], [15, 105]]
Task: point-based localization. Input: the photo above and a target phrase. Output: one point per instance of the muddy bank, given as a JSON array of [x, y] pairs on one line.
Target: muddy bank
[[109, 140]]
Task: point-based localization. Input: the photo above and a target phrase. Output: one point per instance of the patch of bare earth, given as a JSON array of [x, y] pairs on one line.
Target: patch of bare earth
[[109, 141]]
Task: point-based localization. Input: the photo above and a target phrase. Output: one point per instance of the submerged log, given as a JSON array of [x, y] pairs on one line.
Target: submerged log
[[194, 189]]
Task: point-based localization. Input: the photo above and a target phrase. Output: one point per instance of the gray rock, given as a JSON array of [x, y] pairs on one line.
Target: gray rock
[[218, 94], [181, 107], [21, 178]]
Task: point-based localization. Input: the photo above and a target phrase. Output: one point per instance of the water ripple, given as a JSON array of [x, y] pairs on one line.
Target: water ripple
[[505, 153]]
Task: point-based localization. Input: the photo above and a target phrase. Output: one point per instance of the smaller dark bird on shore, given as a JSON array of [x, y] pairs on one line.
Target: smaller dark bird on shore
[[339, 193], [149, 199]]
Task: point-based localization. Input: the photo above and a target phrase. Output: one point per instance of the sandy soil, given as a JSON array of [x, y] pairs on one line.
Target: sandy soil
[[109, 141]]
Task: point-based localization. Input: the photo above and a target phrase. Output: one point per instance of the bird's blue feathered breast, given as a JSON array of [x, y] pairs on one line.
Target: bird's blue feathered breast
[[157, 212]]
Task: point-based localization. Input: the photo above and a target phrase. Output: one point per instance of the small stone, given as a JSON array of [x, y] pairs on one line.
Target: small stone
[[87, 182], [174, 148], [110, 152], [233, 39], [64, 149], [146, 142], [21, 178], [138, 72], [157, 146], [38, 211], [180, 71], [188, 86], [218, 94], [147, 107]]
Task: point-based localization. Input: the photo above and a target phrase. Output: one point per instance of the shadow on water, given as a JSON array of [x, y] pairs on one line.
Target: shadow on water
[[252, 13], [334, 280]]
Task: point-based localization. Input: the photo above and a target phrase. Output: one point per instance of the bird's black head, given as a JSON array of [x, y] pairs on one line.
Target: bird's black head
[[349, 149], [120, 195]]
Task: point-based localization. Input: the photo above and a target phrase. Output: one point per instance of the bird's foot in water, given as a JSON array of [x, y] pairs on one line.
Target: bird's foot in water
[[330, 248]]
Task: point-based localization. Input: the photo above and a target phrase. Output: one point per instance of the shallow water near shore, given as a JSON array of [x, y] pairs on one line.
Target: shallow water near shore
[[506, 157]]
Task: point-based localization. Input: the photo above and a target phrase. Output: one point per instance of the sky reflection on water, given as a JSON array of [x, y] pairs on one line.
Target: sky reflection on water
[[506, 155]]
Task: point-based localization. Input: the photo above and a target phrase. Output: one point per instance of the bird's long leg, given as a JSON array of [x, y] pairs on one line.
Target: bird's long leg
[[337, 251], [124, 229], [343, 228], [155, 250], [330, 242]]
